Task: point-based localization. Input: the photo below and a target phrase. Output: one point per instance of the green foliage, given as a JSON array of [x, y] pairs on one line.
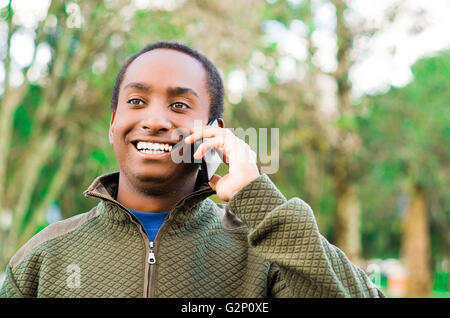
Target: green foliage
[[348, 123], [406, 137], [25, 112], [282, 11]]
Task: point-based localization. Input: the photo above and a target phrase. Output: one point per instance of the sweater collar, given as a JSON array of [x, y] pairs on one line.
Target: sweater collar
[[105, 188]]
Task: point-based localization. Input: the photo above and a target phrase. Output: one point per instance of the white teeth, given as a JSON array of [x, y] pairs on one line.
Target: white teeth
[[152, 151], [150, 147]]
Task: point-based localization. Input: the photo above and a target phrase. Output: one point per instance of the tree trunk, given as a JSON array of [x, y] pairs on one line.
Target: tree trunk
[[416, 245], [347, 234]]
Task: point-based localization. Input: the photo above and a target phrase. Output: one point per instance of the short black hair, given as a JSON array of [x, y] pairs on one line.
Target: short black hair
[[214, 80]]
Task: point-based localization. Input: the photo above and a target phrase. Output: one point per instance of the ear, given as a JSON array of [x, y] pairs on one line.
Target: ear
[[221, 122], [111, 128]]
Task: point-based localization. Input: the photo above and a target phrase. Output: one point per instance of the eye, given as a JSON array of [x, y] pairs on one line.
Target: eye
[[136, 101], [180, 106]]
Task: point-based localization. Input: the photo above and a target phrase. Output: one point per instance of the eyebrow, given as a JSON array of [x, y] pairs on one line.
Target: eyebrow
[[175, 91], [139, 86], [171, 91]]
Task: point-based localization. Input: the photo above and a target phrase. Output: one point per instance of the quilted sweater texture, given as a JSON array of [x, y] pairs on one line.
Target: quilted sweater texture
[[258, 245]]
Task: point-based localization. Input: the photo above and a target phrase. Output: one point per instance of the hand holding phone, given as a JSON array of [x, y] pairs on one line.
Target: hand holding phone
[[238, 156]]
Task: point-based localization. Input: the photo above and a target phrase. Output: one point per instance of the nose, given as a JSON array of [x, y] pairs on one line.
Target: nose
[[156, 119]]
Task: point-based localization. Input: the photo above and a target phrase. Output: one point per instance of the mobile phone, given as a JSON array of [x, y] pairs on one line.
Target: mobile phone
[[211, 160]]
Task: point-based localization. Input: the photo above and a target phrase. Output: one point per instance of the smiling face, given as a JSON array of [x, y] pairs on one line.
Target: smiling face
[[163, 90]]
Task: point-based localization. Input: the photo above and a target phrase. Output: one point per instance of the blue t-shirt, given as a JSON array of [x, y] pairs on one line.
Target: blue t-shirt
[[151, 221]]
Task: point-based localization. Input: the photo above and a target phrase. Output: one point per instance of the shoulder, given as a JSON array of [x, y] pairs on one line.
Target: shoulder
[[51, 232]]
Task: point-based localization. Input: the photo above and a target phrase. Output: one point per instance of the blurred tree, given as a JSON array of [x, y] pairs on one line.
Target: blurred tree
[[47, 107], [315, 113], [321, 144], [407, 128], [346, 171]]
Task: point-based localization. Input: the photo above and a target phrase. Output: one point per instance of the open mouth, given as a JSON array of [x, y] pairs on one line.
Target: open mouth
[[152, 147]]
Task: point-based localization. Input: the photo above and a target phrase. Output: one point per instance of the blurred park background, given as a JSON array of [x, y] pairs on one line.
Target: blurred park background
[[359, 90]]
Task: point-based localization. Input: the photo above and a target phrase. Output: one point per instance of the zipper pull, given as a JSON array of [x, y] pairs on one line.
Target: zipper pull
[[151, 255]]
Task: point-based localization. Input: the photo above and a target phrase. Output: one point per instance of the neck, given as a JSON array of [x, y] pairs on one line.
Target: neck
[[149, 201]]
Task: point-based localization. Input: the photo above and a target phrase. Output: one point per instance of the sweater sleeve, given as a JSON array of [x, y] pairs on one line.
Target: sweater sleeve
[[285, 233]]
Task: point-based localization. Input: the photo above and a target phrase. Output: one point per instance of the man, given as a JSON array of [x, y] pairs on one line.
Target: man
[[155, 232]]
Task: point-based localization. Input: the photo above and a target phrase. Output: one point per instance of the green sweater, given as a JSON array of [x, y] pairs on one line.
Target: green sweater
[[257, 245]]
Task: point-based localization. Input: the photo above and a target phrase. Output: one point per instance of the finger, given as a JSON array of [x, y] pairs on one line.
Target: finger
[[213, 143], [214, 180], [203, 132]]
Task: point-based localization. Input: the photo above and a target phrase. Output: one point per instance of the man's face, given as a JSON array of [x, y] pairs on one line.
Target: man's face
[[162, 90]]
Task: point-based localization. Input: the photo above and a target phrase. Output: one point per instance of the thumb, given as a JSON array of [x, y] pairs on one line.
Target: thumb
[[213, 182]]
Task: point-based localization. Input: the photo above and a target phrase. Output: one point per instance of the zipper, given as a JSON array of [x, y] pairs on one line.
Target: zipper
[[153, 248], [151, 268], [151, 254]]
